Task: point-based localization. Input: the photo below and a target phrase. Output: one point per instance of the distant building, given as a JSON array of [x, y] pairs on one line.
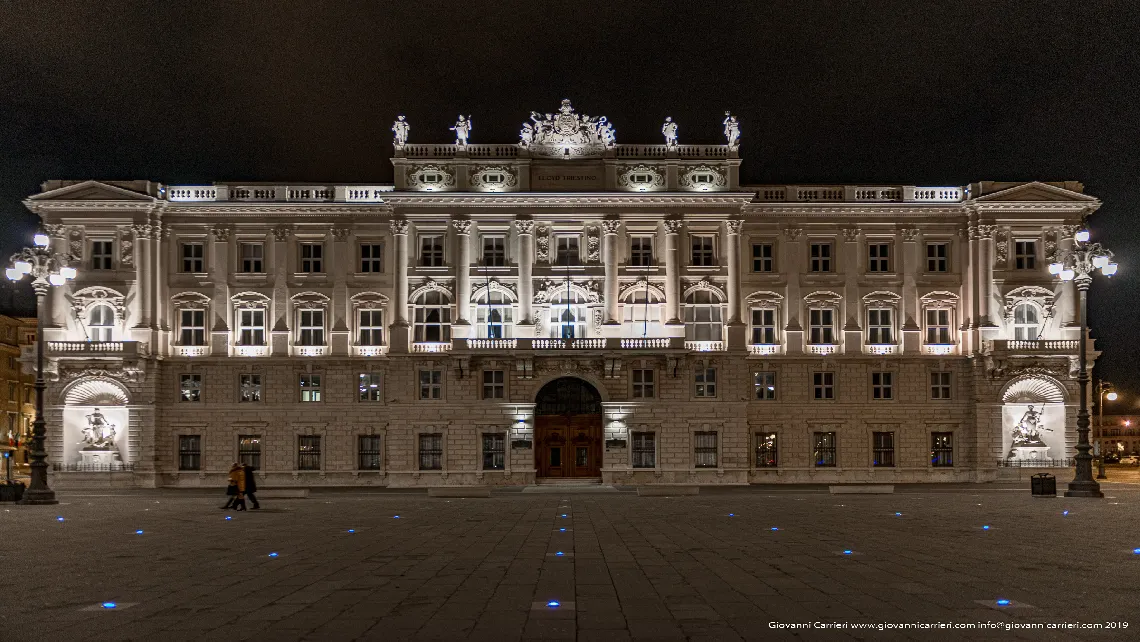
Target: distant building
[[562, 307], [1118, 434], [17, 389]]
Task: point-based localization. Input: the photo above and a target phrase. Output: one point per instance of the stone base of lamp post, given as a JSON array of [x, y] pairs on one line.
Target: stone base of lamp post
[[1084, 489]]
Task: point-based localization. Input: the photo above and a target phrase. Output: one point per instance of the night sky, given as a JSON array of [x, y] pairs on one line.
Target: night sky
[[838, 92]]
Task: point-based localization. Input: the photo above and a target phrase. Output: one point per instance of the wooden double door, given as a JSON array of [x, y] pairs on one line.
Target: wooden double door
[[568, 445]]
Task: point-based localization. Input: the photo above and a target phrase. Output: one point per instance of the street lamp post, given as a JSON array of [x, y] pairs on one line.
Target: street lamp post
[[46, 269], [1078, 264], [1104, 390]]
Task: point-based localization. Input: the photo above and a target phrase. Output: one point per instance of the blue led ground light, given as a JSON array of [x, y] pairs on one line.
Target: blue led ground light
[[109, 605], [1003, 602], [553, 604]]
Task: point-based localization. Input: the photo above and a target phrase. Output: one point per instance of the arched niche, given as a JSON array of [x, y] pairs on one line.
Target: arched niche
[[1033, 421], [91, 400]]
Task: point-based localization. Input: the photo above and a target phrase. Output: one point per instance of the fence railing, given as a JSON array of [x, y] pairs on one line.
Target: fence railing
[[79, 467], [1036, 463]]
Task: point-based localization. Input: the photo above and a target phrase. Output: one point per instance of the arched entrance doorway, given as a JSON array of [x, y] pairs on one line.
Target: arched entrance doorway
[[568, 429]]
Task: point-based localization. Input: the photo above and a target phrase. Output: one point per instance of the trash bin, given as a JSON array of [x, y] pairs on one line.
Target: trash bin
[[1043, 485], [11, 491]]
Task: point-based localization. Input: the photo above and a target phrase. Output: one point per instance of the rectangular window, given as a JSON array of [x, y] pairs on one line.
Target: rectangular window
[[431, 250], [767, 454], [251, 327], [643, 452], [371, 258], [494, 251], [823, 451], [823, 385], [937, 257], [252, 258], [249, 388], [431, 384], [310, 387], [763, 258], [940, 385], [368, 452], [702, 246], [312, 327], [764, 386], [643, 387], [249, 450], [566, 250], [938, 326], [369, 387], [102, 255], [1025, 255], [878, 257], [879, 327], [189, 452], [764, 326], [431, 451], [641, 251], [494, 451], [941, 449], [882, 386], [193, 258], [705, 380], [704, 449], [820, 257], [371, 328], [494, 384], [193, 330], [309, 452], [190, 387], [312, 258], [821, 326], [883, 449]]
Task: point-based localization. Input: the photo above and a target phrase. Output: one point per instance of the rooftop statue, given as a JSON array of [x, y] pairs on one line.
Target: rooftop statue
[[731, 131], [566, 133], [400, 128], [669, 129], [462, 130]]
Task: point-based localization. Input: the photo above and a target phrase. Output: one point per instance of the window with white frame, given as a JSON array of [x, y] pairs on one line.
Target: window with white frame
[[938, 326], [371, 258], [190, 387], [494, 451], [494, 251], [641, 314], [820, 254], [705, 449], [192, 330], [566, 250], [251, 326], [938, 257], [643, 384], [431, 385], [767, 451], [882, 386], [431, 451], [312, 258], [369, 387], [1026, 322], [494, 384], [249, 388], [764, 386], [310, 387], [494, 316], [763, 257], [567, 316], [252, 257], [878, 257], [368, 452], [764, 326], [193, 258], [370, 328], [312, 327], [880, 329], [641, 251], [1025, 255], [432, 317], [102, 255], [643, 453], [703, 316], [821, 326], [100, 322], [823, 385], [431, 250], [704, 381], [940, 385], [702, 250]]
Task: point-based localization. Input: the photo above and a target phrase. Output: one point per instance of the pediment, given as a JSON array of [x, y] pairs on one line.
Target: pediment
[[92, 191], [1036, 191]]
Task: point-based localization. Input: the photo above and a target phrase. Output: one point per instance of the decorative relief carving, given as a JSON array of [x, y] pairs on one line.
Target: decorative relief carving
[[764, 299], [142, 230], [119, 375], [55, 231], [704, 284], [702, 177], [986, 231], [939, 299], [190, 300], [127, 247], [674, 226], [430, 178], [1051, 246], [368, 301], [75, 245], [792, 233], [250, 300], [593, 243], [491, 178], [628, 288], [341, 233], [222, 232], [542, 243], [548, 289], [524, 226], [309, 301], [611, 226], [649, 177], [567, 134], [734, 225], [494, 285], [1029, 294], [83, 300], [822, 298], [462, 226], [909, 234], [1070, 231], [429, 285], [882, 298], [398, 226], [282, 233], [850, 234], [596, 328], [1001, 249]]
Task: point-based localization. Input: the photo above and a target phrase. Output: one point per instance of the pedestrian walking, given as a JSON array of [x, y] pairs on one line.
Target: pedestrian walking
[[250, 485], [231, 490], [237, 487]]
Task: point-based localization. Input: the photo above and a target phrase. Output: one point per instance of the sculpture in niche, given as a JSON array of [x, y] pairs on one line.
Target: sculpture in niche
[[462, 129], [669, 130], [98, 434], [1027, 443], [400, 129], [567, 133], [731, 131]]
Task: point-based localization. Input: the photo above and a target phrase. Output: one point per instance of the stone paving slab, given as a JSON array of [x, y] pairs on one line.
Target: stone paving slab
[[707, 567]]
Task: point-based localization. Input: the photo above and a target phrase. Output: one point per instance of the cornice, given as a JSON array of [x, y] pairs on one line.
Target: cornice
[[48, 206]]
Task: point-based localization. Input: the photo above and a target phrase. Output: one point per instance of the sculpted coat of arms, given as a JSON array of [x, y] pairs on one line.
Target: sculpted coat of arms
[[567, 133]]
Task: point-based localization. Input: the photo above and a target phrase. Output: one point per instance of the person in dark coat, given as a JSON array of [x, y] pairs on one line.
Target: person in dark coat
[[251, 485]]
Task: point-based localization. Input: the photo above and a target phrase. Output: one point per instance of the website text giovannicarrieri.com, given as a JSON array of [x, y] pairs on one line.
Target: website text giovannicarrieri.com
[[929, 626]]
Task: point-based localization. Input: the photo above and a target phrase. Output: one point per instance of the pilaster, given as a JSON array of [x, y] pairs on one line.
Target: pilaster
[[610, 286], [461, 329], [525, 230], [399, 329]]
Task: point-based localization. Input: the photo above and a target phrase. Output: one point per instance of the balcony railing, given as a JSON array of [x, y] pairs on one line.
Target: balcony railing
[[705, 346], [882, 348], [938, 348], [251, 351], [312, 351], [123, 349], [492, 344], [568, 344], [860, 193], [370, 351], [1040, 346], [823, 348], [763, 349], [432, 346], [633, 344], [79, 467], [190, 351]]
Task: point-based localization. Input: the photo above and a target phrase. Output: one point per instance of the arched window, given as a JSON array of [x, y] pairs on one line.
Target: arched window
[[494, 316], [567, 316], [641, 315], [432, 318], [1025, 322], [100, 323], [703, 317]]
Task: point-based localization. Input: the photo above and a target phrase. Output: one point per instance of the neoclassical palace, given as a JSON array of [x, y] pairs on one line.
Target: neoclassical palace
[[561, 307]]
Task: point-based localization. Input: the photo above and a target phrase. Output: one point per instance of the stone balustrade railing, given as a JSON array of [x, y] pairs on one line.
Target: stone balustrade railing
[[544, 343], [1039, 346], [705, 346], [882, 348], [822, 349], [123, 349], [860, 194], [442, 346], [763, 349]]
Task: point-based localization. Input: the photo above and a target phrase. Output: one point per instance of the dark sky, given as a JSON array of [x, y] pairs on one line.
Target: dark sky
[[918, 93]]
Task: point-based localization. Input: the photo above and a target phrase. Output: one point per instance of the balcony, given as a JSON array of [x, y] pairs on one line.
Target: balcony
[[938, 348], [492, 344], [705, 346], [189, 351], [251, 351], [432, 346], [370, 351], [312, 351], [763, 349], [642, 344], [822, 349], [882, 348], [1042, 347], [80, 349], [568, 344]]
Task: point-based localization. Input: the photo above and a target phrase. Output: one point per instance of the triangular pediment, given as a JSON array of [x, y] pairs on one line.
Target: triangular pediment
[[92, 191], [1036, 191]]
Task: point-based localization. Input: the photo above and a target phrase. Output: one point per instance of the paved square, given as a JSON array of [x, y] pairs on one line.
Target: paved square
[[707, 567]]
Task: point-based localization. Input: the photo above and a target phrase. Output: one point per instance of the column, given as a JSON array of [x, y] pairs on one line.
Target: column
[[525, 230], [143, 274], [736, 328], [399, 334], [610, 286], [56, 314], [462, 326], [1069, 322], [219, 265], [340, 324], [672, 273], [791, 254], [849, 259], [280, 330], [909, 312], [985, 275]]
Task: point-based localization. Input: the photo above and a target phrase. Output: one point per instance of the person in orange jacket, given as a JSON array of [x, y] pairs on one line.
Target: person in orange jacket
[[236, 488]]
